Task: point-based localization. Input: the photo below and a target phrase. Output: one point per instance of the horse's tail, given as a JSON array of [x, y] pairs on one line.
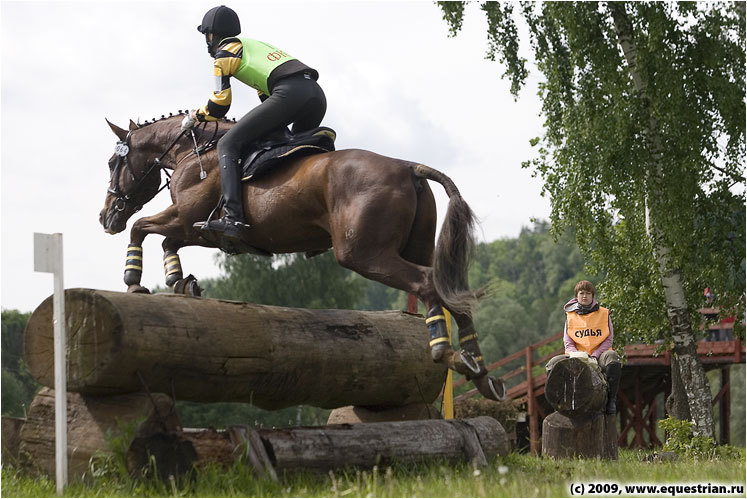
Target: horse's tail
[[455, 246]]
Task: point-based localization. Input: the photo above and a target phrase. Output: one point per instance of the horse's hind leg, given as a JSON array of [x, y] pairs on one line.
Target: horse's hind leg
[[468, 360]]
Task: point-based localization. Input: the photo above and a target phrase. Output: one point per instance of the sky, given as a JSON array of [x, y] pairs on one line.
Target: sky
[[395, 82]]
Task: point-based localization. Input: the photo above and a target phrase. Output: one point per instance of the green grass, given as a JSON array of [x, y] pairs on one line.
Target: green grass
[[517, 475]]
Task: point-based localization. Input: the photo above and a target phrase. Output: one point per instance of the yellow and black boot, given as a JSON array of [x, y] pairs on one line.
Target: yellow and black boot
[[439, 343], [134, 265], [172, 267]]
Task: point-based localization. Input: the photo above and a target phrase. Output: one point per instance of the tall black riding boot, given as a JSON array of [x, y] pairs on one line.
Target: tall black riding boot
[[613, 371], [232, 225]]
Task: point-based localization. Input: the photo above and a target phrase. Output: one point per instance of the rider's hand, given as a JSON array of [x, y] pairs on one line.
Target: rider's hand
[[189, 121], [593, 360]]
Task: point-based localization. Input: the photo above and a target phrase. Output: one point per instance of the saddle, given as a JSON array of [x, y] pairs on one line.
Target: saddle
[[280, 145], [263, 156]]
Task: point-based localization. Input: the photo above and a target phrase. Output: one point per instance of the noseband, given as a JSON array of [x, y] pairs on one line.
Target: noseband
[[121, 150]]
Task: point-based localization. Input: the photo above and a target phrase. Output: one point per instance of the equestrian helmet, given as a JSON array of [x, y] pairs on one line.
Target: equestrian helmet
[[220, 20]]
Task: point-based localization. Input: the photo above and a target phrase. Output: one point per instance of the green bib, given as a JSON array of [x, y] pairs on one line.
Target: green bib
[[258, 61]]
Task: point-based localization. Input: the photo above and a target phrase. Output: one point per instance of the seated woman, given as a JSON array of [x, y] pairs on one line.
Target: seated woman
[[588, 329]]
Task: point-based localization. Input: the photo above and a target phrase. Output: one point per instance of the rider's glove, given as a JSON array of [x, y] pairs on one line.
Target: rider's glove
[[189, 121]]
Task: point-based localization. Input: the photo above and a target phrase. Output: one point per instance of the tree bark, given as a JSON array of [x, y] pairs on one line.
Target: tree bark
[[220, 351], [320, 449], [576, 389], [690, 368], [588, 437], [89, 418]]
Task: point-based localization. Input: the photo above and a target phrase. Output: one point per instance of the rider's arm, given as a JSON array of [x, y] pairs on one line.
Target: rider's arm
[[227, 61]]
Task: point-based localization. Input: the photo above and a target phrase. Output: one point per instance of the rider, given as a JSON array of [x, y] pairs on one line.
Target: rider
[[288, 92]]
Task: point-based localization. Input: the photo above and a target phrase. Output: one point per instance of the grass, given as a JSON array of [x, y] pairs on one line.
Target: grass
[[518, 475]]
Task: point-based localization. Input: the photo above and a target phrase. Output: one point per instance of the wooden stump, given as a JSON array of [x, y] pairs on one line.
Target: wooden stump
[[11, 438], [592, 436], [89, 418], [221, 351], [320, 449], [352, 414], [504, 412], [579, 428], [576, 389]]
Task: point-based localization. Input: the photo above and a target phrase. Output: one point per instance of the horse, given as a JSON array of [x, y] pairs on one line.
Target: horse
[[378, 215]]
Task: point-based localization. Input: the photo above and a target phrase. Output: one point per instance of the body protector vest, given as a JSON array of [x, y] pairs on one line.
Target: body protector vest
[[588, 331], [258, 61]]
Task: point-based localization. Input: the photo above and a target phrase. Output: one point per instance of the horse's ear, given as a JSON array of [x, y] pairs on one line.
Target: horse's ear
[[121, 133], [133, 125]]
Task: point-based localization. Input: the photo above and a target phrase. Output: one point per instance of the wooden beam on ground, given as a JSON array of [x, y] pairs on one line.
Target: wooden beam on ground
[[321, 449]]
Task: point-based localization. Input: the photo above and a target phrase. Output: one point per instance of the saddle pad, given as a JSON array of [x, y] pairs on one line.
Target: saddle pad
[[266, 160]]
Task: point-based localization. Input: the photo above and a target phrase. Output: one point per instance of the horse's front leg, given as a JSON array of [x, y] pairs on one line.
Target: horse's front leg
[[166, 223]]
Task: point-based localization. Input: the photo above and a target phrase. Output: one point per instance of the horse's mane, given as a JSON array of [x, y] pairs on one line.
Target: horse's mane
[[173, 115]]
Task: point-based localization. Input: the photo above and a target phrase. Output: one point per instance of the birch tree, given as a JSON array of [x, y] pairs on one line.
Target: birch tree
[[642, 155]]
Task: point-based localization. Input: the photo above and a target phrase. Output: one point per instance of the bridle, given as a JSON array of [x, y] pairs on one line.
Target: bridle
[[121, 150]]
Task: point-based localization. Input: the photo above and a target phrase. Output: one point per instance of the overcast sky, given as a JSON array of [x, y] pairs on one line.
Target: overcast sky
[[395, 83]]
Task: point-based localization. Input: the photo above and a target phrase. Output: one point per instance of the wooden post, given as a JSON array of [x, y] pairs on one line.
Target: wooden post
[[449, 385], [724, 407], [48, 258], [534, 437], [638, 415]]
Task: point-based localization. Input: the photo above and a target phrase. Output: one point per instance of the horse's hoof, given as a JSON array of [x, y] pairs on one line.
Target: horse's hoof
[[188, 286], [465, 364], [137, 288], [490, 387], [441, 353]]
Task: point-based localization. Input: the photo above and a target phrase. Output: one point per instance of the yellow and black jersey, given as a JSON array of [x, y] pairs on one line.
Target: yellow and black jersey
[[227, 62], [256, 64]]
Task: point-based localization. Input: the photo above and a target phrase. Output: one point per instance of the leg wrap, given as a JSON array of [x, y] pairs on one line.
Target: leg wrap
[[133, 265], [439, 342], [172, 267]]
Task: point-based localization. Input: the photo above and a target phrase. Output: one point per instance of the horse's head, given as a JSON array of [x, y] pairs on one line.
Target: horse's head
[[134, 177]]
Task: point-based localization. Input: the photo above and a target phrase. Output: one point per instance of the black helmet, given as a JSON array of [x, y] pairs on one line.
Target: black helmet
[[220, 21]]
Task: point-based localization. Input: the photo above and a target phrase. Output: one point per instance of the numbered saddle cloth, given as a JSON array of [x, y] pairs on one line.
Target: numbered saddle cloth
[[282, 145]]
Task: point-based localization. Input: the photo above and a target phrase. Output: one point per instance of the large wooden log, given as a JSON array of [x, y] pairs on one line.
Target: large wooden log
[[320, 449], [214, 350], [89, 419], [576, 389], [589, 437]]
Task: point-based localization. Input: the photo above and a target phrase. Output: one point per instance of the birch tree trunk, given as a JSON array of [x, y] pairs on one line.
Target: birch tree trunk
[[691, 370]]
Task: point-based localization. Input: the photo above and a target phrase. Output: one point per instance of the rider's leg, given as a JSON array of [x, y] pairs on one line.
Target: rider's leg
[[294, 100]]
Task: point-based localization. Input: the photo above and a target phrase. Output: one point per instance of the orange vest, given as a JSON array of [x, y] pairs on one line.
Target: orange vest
[[590, 330]]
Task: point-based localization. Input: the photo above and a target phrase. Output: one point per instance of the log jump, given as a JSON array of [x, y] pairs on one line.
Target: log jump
[[206, 350]]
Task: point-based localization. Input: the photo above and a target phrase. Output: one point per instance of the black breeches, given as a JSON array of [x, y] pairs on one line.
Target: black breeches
[[295, 99]]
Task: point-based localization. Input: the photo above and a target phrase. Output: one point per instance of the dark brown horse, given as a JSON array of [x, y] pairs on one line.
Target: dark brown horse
[[378, 214]]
